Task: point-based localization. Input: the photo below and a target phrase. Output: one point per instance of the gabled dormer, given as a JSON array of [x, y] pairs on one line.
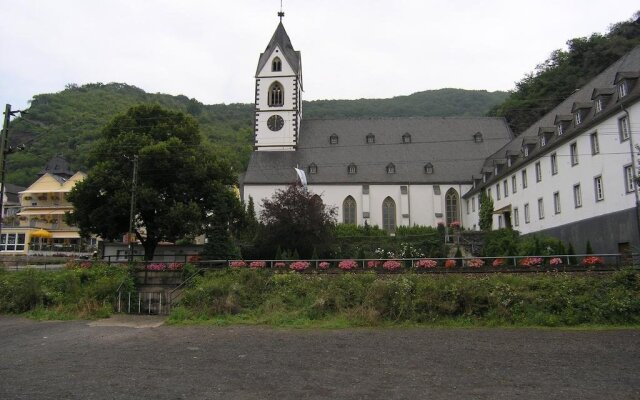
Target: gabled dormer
[[545, 133], [625, 82], [498, 165], [528, 144], [580, 111], [601, 98], [487, 172], [562, 123], [512, 157], [477, 180]]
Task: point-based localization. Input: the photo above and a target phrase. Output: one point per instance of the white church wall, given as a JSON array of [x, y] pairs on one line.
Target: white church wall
[[285, 67]]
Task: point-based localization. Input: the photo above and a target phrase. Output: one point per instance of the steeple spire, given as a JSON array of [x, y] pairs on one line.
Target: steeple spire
[[281, 13]]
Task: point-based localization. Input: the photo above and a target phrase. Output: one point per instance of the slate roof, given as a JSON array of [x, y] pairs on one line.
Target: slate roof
[[11, 191], [445, 142], [628, 65], [57, 166], [281, 39]]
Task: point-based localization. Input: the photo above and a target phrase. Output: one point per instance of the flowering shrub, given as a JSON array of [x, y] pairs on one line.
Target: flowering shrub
[[156, 267], [347, 265], [555, 261], [391, 265], [237, 264], [175, 266], [426, 263], [373, 263], [257, 264], [450, 263], [592, 260], [475, 263], [498, 262], [324, 265], [454, 225], [531, 261], [299, 265], [279, 264]]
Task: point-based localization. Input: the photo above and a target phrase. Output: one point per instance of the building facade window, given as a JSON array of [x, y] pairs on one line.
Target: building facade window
[[349, 211], [622, 89], [333, 139], [524, 178], [276, 95], [389, 215], [514, 184], [629, 179], [577, 196], [543, 141], [516, 217], [595, 145], [473, 204], [12, 242], [477, 137], [578, 118], [352, 169], [371, 138], [599, 105], [406, 138], [527, 216], [624, 129], [556, 202], [497, 191], [428, 168], [573, 152], [554, 164], [598, 188], [505, 188], [451, 202], [560, 129], [276, 65], [313, 168], [538, 172], [468, 207], [540, 208]]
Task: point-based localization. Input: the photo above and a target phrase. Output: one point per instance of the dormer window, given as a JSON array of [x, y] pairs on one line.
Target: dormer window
[[391, 169], [578, 117], [276, 65], [352, 169], [333, 139], [526, 151], [563, 122], [622, 89], [528, 143], [580, 111], [313, 169], [545, 133], [601, 97], [428, 168], [599, 105], [477, 137], [625, 82], [371, 138], [406, 138]]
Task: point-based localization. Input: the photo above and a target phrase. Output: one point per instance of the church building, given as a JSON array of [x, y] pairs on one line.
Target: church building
[[578, 162]]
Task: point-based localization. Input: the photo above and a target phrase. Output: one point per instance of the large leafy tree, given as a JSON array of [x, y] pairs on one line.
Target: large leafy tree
[[182, 189], [486, 212], [295, 219]]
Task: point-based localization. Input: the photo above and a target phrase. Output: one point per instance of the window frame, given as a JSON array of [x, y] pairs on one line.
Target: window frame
[[598, 187], [554, 164], [514, 183], [556, 203], [525, 183], [352, 169], [538, 168], [595, 143], [629, 178], [527, 213], [624, 129], [573, 153], [540, 208], [349, 210], [577, 195], [516, 217]]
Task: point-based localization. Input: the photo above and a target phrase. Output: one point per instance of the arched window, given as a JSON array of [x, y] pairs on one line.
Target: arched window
[[349, 209], [451, 202], [391, 169], [389, 215], [276, 65], [276, 95]]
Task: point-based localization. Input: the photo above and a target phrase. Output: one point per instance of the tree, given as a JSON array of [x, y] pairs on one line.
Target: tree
[[182, 189], [297, 220], [486, 212]]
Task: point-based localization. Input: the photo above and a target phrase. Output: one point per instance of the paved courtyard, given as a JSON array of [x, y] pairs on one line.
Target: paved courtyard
[[138, 357]]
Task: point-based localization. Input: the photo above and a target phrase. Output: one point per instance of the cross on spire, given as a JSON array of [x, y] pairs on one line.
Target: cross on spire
[[281, 13]]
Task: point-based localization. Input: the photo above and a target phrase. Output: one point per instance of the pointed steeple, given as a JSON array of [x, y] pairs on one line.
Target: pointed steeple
[[281, 40]]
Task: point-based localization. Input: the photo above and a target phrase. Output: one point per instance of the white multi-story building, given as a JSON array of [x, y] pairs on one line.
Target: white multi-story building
[[570, 175]]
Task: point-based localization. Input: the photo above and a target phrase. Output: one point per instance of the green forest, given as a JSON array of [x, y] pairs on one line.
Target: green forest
[[69, 121]]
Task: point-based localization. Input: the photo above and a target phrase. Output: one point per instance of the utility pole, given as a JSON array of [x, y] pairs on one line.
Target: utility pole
[[4, 151], [134, 183]]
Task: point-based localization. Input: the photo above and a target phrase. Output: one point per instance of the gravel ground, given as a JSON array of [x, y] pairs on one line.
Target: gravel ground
[[137, 357]]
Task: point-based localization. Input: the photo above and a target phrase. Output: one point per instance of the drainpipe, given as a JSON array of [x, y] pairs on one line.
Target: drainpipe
[[634, 161]]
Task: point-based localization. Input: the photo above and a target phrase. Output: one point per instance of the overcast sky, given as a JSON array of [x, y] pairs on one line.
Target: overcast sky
[[208, 49]]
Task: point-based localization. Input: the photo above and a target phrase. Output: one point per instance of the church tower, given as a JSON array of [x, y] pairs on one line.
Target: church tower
[[278, 109]]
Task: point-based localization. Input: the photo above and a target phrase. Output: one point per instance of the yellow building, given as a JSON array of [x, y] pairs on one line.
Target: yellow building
[[41, 226]]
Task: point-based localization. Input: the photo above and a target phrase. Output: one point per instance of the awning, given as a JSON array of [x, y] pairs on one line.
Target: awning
[[65, 235], [45, 211], [41, 233], [503, 210]]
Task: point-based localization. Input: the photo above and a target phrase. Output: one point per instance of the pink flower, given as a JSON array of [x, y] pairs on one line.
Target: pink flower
[[299, 265], [592, 260], [498, 262], [450, 263], [531, 261], [175, 266], [373, 263], [324, 265], [279, 264], [347, 265], [156, 267], [237, 264], [391, 265], [475, 263], [555, 261], [257, 264], [426, 263], [454, 224]]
